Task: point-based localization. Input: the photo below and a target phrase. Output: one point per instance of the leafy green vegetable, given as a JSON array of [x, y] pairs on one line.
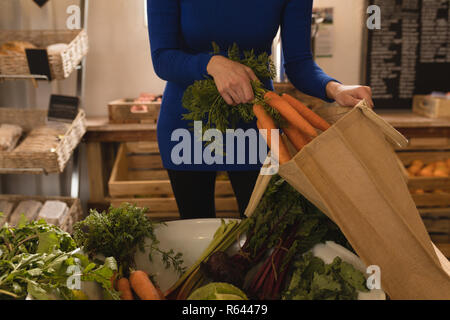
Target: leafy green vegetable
[[315, 280], [119, 233], [38, 259], [204, 102]]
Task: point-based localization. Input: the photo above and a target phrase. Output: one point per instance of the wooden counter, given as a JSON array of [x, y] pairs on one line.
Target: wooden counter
[[100, 130]]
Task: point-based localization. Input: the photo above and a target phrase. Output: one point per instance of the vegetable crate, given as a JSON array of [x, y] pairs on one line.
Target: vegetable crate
[[121, 111], [431, 193], [138, 177], [53, 160], [74, 214], [431, 107], [61, 64]]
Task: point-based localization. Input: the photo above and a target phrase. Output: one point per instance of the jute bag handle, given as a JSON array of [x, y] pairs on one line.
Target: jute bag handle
[[395, 137]]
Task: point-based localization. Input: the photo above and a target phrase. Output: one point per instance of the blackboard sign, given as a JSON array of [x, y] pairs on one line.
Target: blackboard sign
[[410, 54], [63, 108], [38, 62]]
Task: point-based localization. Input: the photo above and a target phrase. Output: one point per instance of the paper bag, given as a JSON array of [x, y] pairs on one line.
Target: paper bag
[[350, 172]]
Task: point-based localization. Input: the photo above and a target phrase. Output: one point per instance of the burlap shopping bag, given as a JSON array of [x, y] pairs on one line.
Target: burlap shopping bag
[[351, 173]]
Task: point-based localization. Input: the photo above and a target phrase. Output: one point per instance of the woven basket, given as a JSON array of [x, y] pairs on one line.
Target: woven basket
[[74, 214], [61, 65], [50, 161]]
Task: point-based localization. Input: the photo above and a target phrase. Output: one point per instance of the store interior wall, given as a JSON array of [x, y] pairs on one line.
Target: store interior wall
[[119, 64]]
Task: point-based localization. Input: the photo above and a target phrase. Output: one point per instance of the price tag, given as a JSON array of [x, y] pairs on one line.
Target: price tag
[[38, 62], [63, 108]]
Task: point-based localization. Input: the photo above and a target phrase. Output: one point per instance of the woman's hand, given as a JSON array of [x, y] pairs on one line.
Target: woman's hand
[[233, 80], [349, 96]]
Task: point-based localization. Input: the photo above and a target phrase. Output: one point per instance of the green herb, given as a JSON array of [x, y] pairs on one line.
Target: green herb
[[204, 102], [120, 233], [36, 258], [315, 280]]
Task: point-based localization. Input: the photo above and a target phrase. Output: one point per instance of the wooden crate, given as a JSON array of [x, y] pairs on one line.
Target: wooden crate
[[431, 107], [120, 111], [434, 208], [428, 199], [139, 178], [74, 214]]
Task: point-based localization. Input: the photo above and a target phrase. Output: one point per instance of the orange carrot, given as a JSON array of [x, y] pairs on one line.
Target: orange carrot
[[297, 138], [314, 119], [123, 285], [143, 287], [266, 122], [289, 113]]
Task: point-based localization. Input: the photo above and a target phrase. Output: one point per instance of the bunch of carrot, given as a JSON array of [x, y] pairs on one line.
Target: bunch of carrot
[[139, 283], [301, 122]]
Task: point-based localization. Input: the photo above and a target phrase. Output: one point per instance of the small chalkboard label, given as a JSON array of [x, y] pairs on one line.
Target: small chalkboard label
[[38, 62], [63, 108]]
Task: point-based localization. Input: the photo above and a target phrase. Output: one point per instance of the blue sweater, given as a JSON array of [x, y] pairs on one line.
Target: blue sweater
[[181, 33]]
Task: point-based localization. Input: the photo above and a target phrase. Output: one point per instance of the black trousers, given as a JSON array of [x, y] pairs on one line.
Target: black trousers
[[194, 191]]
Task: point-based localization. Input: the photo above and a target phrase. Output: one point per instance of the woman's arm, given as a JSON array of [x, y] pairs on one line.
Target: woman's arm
[[173, 64], [169, 61], [301, 69]]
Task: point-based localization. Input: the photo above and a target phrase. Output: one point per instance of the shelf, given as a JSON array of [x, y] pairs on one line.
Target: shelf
[[24, 76], [36, 171]]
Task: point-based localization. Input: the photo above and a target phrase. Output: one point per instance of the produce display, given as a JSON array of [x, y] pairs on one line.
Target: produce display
[[274, 259], [435, 169], [278, 237], [120, 233], [36, 259]]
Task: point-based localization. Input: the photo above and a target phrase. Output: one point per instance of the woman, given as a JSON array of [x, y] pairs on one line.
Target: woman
[[181, 33]]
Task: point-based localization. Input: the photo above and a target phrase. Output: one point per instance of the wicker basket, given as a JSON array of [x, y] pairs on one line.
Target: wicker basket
[[61, 65], [47, 161], [74, 214]]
